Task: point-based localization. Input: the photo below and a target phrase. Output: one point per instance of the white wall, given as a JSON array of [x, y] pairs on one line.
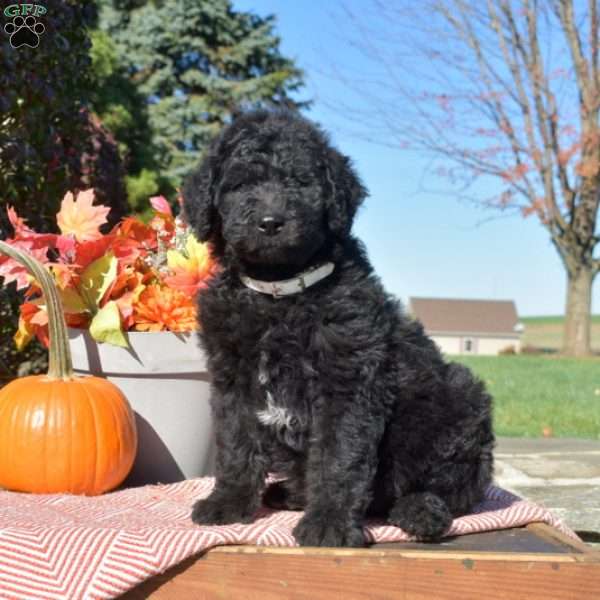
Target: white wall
[[447, 344], [481, 345], [494, 345]]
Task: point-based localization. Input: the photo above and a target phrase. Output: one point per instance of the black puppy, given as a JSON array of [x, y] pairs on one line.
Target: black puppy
[[317, 373]]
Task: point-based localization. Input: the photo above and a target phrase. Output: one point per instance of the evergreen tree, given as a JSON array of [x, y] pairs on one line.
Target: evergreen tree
[[123, 110], [195, 62]]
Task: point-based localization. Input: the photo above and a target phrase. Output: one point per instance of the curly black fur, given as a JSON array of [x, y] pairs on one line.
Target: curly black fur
[[377, 423]]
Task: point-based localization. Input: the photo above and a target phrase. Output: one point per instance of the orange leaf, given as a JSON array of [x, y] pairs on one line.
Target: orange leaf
[[188, 283], [588, 167], [24, 234], [133, 238], [32, 321], [79, 218], [87, 252], [127, 251], [11, 270], [17, 222], [63, 275], [189, 271]]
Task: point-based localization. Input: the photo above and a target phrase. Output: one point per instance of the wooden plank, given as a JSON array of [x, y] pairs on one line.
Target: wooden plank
[[378, 553], [270, 576], [545, 532], [265, 573], [518, 539]]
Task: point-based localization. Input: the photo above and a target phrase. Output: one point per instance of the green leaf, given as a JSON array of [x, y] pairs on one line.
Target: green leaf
[[72, 302], [96, 278], [106, 326]]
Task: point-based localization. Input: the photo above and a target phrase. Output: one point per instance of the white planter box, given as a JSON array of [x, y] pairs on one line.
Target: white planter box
[[164, 377]]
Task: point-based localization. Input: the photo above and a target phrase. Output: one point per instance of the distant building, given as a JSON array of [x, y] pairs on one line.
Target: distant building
[[469, 326]]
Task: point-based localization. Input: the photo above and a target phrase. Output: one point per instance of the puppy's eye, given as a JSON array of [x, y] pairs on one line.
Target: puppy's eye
[[304, 180], [234, 186]]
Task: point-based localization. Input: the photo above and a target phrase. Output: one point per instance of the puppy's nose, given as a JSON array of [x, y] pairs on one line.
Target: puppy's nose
[[270, 225]]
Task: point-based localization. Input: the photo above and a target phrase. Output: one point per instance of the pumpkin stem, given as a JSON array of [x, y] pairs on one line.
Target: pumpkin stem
[[59, 353]]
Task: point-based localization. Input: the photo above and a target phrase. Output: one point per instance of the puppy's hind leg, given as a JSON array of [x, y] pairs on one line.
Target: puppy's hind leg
[[461, 462], [424, 515]]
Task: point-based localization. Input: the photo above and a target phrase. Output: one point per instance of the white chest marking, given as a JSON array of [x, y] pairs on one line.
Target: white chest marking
[[273, 415]]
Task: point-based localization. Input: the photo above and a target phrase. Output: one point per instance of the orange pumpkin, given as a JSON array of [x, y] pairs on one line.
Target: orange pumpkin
[[58, 432]]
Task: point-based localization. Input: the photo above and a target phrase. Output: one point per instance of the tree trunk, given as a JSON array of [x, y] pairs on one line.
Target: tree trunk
[[579, 304]]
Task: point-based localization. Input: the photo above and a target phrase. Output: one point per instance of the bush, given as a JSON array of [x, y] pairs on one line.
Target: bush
[[49, 144], [140, 188]]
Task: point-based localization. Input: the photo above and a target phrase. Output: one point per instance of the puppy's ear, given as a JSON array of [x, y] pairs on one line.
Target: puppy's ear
[[199, 198], [345, 192]]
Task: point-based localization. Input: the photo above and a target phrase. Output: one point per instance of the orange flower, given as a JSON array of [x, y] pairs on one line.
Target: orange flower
[[163, 308]]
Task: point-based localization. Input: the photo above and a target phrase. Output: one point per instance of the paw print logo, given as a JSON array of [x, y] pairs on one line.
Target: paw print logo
[[24, 31]]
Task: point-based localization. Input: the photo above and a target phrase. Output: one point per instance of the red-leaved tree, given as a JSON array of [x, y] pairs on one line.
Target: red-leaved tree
[[500, 89]]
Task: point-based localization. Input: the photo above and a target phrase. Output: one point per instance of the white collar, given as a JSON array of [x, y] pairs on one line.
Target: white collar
[[294, 285]]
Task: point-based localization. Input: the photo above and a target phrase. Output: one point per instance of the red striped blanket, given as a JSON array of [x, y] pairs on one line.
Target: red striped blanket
[[75, 547]]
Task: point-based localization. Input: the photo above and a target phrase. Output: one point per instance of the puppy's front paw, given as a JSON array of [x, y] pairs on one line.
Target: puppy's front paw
[[328, 530], [221, 510]]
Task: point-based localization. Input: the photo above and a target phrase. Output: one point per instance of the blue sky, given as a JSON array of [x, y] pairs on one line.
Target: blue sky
[[421, 243]]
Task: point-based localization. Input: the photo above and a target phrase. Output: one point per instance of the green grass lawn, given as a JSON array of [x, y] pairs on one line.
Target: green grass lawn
[[547, 332], [533, 392]]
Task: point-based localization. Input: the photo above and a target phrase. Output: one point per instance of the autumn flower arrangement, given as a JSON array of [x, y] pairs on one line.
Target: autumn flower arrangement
[[137, 277]]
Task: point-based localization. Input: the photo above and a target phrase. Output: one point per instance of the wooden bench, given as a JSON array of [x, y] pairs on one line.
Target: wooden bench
[[529, 563]]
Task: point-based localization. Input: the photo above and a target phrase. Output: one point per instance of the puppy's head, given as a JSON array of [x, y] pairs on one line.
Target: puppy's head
[[272, 190]]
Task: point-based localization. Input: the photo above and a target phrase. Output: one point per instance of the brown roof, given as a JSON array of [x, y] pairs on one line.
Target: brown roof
[[444, 315]]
